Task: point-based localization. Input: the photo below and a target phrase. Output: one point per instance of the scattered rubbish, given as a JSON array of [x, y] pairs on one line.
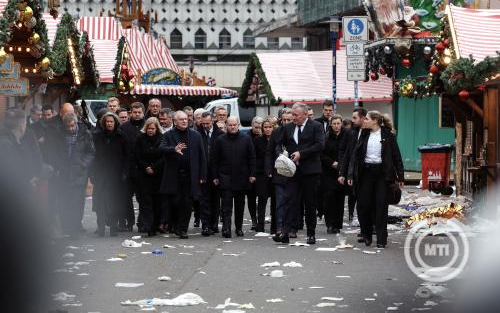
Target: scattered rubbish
[[428, 291], [281, 247], [122, 255], [343, 276], [146, 252], [246, 306], [276, 274], [338, 262], [299, 244], [150, 308], [68, 255], [202, 272], [133, 244], [262, 234], [430, 303], [114, 259], [231, 254], [325, 304], [83, 274], [277, 300], [326, 249], [63, 296], [370, 299], [186, 299], [185, 253], [186, 247], [344, 246], [82, 263], [164, 278], [73, 247], [169, 247], [157, 252], [369, 252], [316, 287], [233, 311], [392, 308], [321, 239], [136, 237], [227, 241], [332, 299], [421, 309], [449, 211], [271, 264], [129, 285], [248, 239], [292, 264]]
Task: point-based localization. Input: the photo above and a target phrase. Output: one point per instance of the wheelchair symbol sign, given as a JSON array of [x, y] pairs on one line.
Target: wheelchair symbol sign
[[355, 28]]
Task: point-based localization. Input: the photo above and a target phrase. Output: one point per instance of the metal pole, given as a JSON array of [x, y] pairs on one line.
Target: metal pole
[[356, 97], [334, 27]]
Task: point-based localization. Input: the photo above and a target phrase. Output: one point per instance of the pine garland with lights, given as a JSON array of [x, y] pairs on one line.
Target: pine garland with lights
[[87, 52], [66, 29], [123, 79], [256, 68], [6, 22]]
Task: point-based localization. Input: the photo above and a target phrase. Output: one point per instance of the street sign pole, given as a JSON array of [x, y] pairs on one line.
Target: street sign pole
[[355, 34], [334, 28], [356, 94]]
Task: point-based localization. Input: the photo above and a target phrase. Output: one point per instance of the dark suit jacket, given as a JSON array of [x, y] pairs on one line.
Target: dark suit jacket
[[346, 149], [273, 150], [197, 162], [311, 145], [208, 146], [322, 121]]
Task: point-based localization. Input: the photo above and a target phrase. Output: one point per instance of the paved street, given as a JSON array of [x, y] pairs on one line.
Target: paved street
[[216, 269]]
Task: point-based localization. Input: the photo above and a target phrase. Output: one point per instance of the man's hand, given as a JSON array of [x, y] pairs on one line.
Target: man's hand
[[216, 182], [349, 182], [270, 175], [180, 146], [295, 156], [341, 180], [335, 164], [251, 179], [149, 170]]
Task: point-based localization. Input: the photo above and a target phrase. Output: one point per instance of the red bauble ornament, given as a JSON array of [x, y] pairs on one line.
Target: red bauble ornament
[[464, 94], [482, 87], [124, 68], [374, 76], [130, 75], [406, 63], [446, 42], [382, 71], [434, 69], [440, 47]]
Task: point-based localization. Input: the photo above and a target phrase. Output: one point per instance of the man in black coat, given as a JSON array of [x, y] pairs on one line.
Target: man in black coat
[[304, 140], [132, 130], [185, 170], [210, 199], [234, 171]]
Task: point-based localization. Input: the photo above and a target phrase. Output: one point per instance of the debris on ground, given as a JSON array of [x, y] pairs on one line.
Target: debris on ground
[[133, 244], [271, 264], [186, 299], [292, 264], [129, 285], [164, 278], [277, 300], [326, 249]]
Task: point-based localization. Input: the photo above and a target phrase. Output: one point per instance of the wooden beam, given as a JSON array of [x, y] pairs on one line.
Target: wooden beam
[[458, 161]]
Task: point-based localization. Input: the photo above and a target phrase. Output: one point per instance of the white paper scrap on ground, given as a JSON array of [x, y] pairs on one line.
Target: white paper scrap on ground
[[332, 299], [185, 253], [246, 306], [369, 252], [231, 254], [430, 303], [271, 264], [369, 299], [63, 296], [321, 239], [292, 264], [343, 276], [325, 304], [68, 255], [392, 308], [262, 234], [169, 247], [227, 241], [326, 249], [299, 244], [276, 274], [227, 303], [114, 259], [344, 246], [249, 239], [277, 300], [146, 252], [129, 285], [233, 311], [133, 244], [136, 237], [83, 274], [72, 247], [164, 278], [186, 299], [148, 308], [316, 287], [82, 263]]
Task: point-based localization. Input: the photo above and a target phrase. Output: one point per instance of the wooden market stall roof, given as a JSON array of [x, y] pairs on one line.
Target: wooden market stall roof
[[475, 32], [307, 76]]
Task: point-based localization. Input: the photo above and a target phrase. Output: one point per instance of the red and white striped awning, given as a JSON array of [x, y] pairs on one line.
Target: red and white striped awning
[[101, 28], [52, 24], [307, 76], [3, 4], [475, 32], [171, 90]]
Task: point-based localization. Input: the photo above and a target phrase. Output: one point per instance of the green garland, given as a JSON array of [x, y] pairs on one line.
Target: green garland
[[89, 57], [65, 30], [254, 66], [414, 88], [463, 74], [119, 55], [6, 22]]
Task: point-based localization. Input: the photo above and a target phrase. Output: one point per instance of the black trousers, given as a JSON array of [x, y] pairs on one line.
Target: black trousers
[[151, 204], [351, 201], [261, 211], [252, 203], [128, 215], [333, 206], [71, 209], [196, 210], [305, 187], [372, 203], [209, 205], [180, 205], [227, 208]]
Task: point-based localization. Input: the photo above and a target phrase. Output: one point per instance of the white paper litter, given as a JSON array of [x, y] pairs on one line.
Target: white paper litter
[[133, 244], [249, 239], [343, 276], [321, 239], [369, 252], [185, 253], [129, 285], [68, 255], [73, 247], [164, 278], [277, 300], [430, 303], [370, 299], [233, 311], [228, 303], [326, 249], [114, 259], [83, 274], [150, 308], [292, 264], [332, 299], [299, 244], [325, 304], [344, 246], [231, 254], [82, 263], [316, 287], [169, 247], [392, 308], [186, 247], [146, 252], [63, 296], [227, 241], [428, 291], [262, 234], [276, 274], [186, 299], [136, 237], [271, 264]]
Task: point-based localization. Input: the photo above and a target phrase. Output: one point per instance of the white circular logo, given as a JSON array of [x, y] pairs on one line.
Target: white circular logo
[[437, 258]]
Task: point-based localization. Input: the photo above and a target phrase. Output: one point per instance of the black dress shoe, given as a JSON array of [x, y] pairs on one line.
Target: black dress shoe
[[215, 229], [183, 235], [311, 240], [239, 233], [380, 246], [281, 238], [226, 234], [329, 230], [368, 240], [336, 231], [292, 234], [205, 232]]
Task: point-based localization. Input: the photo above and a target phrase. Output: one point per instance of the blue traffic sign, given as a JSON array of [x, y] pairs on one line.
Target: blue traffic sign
[[355, 27]]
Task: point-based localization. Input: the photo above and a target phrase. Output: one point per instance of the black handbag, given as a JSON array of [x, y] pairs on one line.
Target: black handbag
[[393, 193]]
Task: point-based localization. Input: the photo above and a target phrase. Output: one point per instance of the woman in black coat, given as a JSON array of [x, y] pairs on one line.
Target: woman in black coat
[[375, 163], [333, 191], [109, 173], [149, 161], [263, 184]]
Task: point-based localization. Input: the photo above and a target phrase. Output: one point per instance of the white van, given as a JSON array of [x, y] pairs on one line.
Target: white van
[[92, 107]]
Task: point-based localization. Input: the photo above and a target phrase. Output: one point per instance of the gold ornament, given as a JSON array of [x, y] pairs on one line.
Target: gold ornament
[[27, 14], [45, 63], [34, 39], [3, 55], [131, 85], [22, 5], [121, 85]]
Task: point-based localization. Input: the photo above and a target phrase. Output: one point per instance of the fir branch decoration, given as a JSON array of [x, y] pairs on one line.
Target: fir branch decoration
[[6, 22], [87, 53], [119, 55], [65, 30], [254, 66]]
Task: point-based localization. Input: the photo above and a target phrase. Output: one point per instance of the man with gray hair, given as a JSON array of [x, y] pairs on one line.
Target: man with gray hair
[[166, 119], [35, 114], [304, 139]]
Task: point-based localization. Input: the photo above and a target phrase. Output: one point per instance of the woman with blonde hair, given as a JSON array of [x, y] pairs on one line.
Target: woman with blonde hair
[[375, 164], [149, 162]]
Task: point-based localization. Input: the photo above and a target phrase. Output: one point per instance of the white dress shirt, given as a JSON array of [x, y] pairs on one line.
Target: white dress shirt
[[296, 132], [374, 148]]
